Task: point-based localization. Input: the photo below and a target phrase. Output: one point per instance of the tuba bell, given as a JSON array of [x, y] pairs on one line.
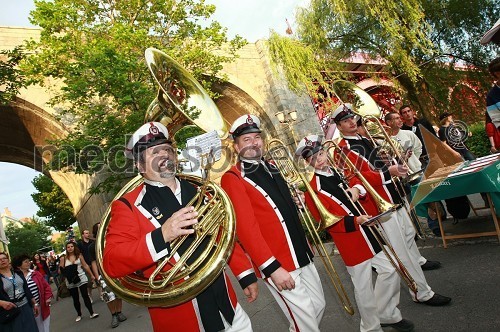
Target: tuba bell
[[181, 100]]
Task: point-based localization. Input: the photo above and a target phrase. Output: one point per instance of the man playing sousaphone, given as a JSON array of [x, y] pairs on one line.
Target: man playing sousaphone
[[357, 245], [400, 232], [145, 221]]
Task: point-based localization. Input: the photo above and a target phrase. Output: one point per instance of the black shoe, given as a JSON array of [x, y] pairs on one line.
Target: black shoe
[[403, 325], [114, 321], [431, 265], [437, 300]]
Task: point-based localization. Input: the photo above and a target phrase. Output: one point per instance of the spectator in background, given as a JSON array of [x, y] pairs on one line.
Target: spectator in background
[[14, 293], [410, 122], [114, 303], [39, 288], [493, 135], [74, 267], [493, 107], [493, 97], [53, 264], [84, 245], [454, 136], [40, 264]]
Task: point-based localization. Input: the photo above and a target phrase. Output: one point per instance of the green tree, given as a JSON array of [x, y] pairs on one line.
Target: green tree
[[29, 238], [53, 203], [11, 78], [96, 50], [429, 46], [59, 244]]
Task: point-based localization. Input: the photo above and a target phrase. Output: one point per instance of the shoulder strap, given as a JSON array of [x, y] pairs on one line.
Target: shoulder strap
[[125, 201]]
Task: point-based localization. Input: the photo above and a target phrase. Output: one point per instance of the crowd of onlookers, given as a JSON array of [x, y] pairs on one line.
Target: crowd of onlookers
[[26, 294]]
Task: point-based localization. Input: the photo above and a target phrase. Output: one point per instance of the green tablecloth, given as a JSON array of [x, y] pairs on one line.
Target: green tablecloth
[[485, 179]]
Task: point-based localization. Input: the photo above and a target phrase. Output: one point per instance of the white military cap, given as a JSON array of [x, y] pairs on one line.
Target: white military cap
[[309, 145], [343, 112], [148, 135], [245, 124]]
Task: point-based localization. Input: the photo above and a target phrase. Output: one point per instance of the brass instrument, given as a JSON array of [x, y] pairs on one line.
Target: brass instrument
[[365, 107], [214, 233], [393, 150], [389, 145], [382, 205], [294, 178]]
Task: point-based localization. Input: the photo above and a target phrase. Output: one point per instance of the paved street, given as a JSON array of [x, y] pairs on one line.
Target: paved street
[[469, 274]]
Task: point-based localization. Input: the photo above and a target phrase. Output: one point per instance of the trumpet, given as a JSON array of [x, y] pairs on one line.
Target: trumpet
[[382, 205], [290, 172]]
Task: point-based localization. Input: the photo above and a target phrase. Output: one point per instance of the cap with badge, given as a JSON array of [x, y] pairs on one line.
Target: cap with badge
[[245, 124], [309, 145], [343, 112], [148, 135]]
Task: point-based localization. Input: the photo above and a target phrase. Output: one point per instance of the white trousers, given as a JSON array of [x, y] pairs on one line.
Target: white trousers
[[241, 321], [43, 325], [411, 232], [398, 230], [304, 305], [377, 304]]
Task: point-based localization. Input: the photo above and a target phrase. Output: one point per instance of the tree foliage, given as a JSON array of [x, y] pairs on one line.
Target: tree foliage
[[95, 48], [426, 46], [53, 203], [59, 244], [29, 238], [11, 78]]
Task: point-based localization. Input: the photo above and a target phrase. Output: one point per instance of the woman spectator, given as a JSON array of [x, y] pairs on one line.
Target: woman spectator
[[39, 288], [41, 266], [73, 268], [14, 293]]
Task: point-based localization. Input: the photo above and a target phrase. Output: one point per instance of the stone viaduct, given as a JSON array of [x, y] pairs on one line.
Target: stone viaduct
[[28, 121]]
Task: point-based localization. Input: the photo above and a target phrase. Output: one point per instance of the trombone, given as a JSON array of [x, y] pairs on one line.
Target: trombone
[[291, 174], [383, 207], [398, 183]]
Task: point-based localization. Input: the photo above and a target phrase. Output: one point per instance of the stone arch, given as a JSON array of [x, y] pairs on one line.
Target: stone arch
[[464, 96], [25, 130], [370, 83], [377, 89]]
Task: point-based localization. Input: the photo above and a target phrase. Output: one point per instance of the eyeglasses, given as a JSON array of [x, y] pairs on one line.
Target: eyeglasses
[[4, 259]]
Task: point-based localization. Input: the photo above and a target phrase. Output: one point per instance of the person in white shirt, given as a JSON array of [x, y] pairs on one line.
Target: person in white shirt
[[412, 147]]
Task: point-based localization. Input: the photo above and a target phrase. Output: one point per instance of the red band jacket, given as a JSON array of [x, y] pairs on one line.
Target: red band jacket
[[134, 242], [355, 244], [267, 222], [363, 156]]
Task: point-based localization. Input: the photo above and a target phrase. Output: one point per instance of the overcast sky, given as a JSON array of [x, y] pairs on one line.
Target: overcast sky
[[251, 19]]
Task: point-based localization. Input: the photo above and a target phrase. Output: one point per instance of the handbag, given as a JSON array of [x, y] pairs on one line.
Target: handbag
[[8, 315], [76, 280]]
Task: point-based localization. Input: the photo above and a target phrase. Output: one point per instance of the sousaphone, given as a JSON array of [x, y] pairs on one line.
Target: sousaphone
[[199, 257]]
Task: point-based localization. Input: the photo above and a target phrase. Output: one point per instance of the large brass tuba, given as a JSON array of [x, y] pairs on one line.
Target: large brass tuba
[[280, 155], [181, 100]]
